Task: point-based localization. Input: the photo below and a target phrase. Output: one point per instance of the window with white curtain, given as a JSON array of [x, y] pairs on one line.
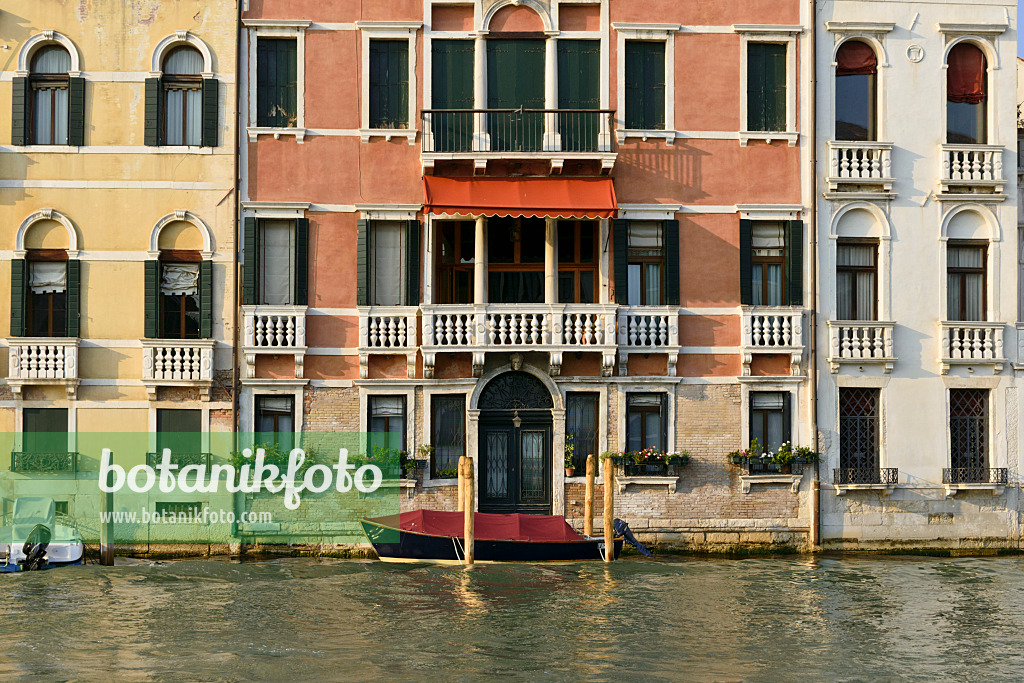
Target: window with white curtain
[[769, 419], [768, 242], [856, 279], [646, 263], [179, 293], [277, 258], [47, 300], [49, 105], [183, 96], [386, 424], [965, 278], [387, 263]]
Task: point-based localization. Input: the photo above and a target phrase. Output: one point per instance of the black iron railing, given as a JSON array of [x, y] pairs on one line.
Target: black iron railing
[[765, 466], [888, 476], [517, 130], [180, 459], [975, 475], [58, 462]]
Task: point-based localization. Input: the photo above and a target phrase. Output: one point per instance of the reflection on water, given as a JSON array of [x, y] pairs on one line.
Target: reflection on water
[[831, 618]]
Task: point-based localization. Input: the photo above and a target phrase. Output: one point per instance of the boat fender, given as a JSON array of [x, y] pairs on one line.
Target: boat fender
[[622, 529], [35, 548]]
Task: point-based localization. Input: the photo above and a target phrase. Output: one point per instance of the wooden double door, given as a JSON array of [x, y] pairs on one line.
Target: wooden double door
[[515, 462]]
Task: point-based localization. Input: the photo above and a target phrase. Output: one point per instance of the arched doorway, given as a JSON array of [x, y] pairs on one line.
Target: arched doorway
[[515, 445]]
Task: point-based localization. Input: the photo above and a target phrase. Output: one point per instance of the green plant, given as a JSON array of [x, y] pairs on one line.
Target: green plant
[[273, 455], [569, 451], [448, 473]]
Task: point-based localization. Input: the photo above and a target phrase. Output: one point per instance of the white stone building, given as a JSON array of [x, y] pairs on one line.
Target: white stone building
[[917, 356]]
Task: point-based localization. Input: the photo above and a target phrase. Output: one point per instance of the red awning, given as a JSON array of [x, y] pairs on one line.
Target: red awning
[[530, 197]]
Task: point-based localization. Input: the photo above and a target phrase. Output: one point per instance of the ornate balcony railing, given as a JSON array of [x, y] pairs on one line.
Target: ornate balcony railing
[[884, 476], [42, 360], [648, 329], [180, 459], [58, 462], [177, 362], [388, 330], [859, 341], [975, 475], [971, 343], [860, 166], [772, 329], [274, 329], [972, 169]]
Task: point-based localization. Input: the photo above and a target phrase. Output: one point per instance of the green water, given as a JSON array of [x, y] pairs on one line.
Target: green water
[[764, 619]]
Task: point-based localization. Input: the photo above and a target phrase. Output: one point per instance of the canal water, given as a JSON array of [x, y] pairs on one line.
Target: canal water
[[765, 619]]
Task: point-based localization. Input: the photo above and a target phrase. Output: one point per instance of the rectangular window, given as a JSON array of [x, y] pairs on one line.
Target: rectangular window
[[965, 276], [577, 262], [389, 84], [179, 300], [386, 423], [448, 430], [645, 85], [646, 263], [276, 83], [275, 422], [968, 433], [456, 245], [581, 424], [277, 261], [767, 262], [387, 263], [45, 430], [47, 298], [858, 433], [179, 430], [766, 87], [769, 418], [856, 281], [645, 422], [515, 260], [50, 111]]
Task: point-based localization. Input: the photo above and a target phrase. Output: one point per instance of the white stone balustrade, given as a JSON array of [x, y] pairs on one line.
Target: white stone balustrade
[[388, 330], [42, 360], [971, 343], [649, 329], [972, 169], [274, 330], [177, 362], [860, 342], [772, 329], [860, 166]]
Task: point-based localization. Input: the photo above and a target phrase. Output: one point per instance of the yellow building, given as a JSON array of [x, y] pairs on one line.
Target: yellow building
[[117, 207]]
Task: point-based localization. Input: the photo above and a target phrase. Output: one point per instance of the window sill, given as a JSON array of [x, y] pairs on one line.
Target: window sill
[[843, 489], [434, 483], [46, 149], [746, 136], [366, 134], [747, 480], [621, 135], [953, 489], [299, 133], [668, 481]]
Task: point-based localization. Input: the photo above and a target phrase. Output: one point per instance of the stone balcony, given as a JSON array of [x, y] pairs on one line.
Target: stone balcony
[[177, 363], [860, 167], [388, 330], [34, 361], [971, 344], [551, 328], [273, 330], [771, 330], [860, 342], [649, 329], [972, 170]]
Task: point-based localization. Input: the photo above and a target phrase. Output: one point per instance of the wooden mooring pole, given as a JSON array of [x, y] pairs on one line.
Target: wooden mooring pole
[[107, 523], [462, 482], [588, 501], [609, 510], [470, 514]]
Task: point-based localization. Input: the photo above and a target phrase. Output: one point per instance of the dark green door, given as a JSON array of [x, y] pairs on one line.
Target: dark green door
[[515, 464], [515, 80], [579, 87], [452, 88]]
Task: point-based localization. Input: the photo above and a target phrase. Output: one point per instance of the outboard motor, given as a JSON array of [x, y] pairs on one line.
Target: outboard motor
[[622, 529], [35, 548]]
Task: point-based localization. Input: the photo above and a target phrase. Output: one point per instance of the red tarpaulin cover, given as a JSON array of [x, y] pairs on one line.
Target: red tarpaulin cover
[[531, 197], [855, 58], [966, 75], [488, 527]]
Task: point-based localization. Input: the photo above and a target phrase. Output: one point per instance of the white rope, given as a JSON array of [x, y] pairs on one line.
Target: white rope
[[455, 542]]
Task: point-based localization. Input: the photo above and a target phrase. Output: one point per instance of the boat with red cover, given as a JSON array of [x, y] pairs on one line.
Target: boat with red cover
[[436, 536]]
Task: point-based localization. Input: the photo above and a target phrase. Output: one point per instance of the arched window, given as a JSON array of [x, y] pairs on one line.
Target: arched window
[[966, 96], [183, 96], [856, 91], [49, 85]]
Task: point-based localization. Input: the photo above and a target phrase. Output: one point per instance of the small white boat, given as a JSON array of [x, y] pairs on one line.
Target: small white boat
[[34, 537]]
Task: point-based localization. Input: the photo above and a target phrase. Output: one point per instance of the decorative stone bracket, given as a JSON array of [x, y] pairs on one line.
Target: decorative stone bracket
[[793, 480], [670, 482]]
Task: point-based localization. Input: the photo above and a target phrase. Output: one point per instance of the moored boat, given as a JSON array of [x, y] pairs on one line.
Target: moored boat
[[36, 538], [436, 536]]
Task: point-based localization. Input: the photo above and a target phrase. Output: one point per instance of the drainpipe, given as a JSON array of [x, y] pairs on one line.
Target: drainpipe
[[234, 272], [812, 374]]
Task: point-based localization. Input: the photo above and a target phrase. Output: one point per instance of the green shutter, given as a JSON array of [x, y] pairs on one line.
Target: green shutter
[[756, 96], [276, 83], [20, 98], [787, 419], [250, 261], [19, 288], [746, 262], [154, 112], [206, 299], [412, 260], [645, 85], [670, 236], [389, 84], [362, 269], [515, 79], [795, 263], [301, 261], [76, 113], [766, 87], [452, 88], [775, 87], [579, 87], [152, 300], [74, 297], [620, 235], [211, 111]]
